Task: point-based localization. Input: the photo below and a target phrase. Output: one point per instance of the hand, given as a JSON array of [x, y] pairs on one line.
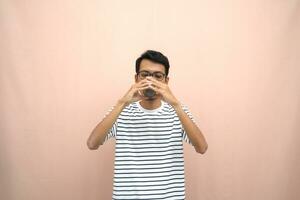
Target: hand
[[133, 94], [164, 90]]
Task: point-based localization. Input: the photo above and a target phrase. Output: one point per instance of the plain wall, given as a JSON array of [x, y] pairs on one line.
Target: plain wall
[[235, 64]]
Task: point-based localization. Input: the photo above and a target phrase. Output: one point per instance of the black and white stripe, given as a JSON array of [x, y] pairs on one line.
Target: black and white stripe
[[149, 161]]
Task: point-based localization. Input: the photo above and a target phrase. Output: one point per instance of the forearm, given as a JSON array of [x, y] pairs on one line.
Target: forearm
[[99, 133], [192, 130]]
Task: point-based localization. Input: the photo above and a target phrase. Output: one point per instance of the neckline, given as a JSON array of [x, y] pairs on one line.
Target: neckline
[[150, 110]]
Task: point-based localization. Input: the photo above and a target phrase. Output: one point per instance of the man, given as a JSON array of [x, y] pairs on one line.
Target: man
[[149, 125]]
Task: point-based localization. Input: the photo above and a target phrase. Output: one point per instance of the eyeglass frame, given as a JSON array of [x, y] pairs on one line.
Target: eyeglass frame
[[151, 74]]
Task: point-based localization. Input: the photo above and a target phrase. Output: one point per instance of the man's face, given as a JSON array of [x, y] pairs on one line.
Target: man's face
[[152, 67]]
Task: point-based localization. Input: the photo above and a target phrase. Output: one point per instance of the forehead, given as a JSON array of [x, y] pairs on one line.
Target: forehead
[[148, 65]]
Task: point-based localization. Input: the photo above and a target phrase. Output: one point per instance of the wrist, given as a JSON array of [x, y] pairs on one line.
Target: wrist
[[176, 105], [121, 103]]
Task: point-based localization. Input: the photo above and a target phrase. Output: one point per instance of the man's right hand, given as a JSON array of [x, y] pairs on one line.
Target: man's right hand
[[97, 137], [133, 94]]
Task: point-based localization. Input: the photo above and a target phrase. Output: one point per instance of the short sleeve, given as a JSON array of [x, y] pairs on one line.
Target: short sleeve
[[183, 132], [113, 131]]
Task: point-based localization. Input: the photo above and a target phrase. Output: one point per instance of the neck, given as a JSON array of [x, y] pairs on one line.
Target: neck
[[151, 104]]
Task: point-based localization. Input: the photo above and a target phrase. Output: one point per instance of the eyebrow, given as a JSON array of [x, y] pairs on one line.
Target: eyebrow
[[151, 71]]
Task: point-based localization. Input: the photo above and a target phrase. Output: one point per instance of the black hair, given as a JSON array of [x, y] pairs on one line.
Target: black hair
[[154, 56]]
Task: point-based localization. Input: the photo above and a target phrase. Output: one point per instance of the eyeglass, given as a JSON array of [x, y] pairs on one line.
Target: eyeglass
[[157, 75]]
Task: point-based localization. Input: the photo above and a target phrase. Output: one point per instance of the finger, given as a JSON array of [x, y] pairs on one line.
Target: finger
[[155, 85], [155, 82], [156, 89], [142, 81], [142, 88], [142, 84], [137, 96], [139, 91], [150, 80], [153, 79], [145, 80]]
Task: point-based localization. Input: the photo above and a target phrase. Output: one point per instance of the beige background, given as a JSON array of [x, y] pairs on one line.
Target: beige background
[[234, 63]]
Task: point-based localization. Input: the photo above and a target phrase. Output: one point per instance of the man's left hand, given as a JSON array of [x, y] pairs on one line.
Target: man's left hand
[[164, 90]]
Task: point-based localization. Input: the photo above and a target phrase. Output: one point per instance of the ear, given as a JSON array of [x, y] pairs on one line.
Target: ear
[[167, 80], [136, 78]]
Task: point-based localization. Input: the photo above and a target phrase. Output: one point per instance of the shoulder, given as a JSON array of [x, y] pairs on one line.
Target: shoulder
[[169, 108], [183, 106]]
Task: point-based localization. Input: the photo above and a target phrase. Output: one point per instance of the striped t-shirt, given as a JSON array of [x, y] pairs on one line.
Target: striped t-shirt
[[149, 162]]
